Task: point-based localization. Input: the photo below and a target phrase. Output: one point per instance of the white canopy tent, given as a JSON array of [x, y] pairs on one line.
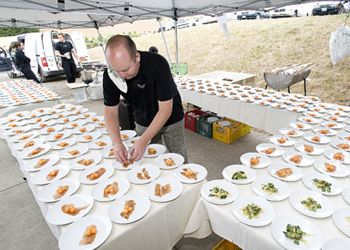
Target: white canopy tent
[[63, 14]]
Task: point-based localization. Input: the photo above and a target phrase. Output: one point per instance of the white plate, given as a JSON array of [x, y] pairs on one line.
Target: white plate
[[323, 139], [120, 166], [56, 145], [286, 131], [23, 137], [105, 152], [20, 146], [289, 142], [75, 124], [227, 186], [312, 114], [330, 155], [142, 206], [265, 217], [95, 156], [47, 193], [199, 169], [346, 195], [56, 128], [40, 177], [82, 148], [17, 131], [308, 120], [230, 170], [332, 125], [341, 218], [158, 147], [67, 121], [88, 128], [313, 239], [295, 176], [336, 142], [108, 173], [305, 162], [282, 193], [300, 146], [71, 237], [263, 146], [327, 131], [93, 144], [347, 128], [56, 216], [98, 191], [95, 135], [297, 197], [264, 160], [176, 189], [308, 182], [25, 154], [340, 171], [127, 133], [334, 118], [32, 165], [65, 134], [153, 172], [337, 244], [338, 113], [177, 159], [345, 136], [130, 143]]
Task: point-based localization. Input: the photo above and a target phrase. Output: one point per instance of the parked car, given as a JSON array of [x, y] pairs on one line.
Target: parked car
[[327, 9], [40, 48], [208, 19], [5, 61], [283, 12], [245, 15]]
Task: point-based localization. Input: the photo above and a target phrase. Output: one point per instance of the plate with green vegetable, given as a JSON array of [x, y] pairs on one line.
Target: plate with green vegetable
[[219, 192], [296, 233], [322, 183], [271, 189], [239, 174], [253, 211], [311, 203]]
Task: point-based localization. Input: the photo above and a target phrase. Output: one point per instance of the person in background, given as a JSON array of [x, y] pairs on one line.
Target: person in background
[[150, 89], [65, 50], [153, 49], [23, 62]]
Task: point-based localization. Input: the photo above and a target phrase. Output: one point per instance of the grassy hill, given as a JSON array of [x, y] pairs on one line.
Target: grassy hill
[[261, 45]]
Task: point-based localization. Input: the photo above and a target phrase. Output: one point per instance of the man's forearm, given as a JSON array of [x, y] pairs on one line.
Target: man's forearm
[[112, 123]]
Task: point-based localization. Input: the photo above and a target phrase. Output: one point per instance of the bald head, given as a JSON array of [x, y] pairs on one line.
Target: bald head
[[122, 56]]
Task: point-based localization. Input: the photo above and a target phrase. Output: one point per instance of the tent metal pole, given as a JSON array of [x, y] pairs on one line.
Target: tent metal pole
[[165, 43], [176, 42]]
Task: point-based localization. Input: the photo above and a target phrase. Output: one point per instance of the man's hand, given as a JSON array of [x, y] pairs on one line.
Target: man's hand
[[138, 149], [120, 153]]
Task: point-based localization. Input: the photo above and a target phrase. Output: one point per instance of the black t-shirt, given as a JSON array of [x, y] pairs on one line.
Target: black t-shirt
[[63, 48], [153, 83], [21, 59]]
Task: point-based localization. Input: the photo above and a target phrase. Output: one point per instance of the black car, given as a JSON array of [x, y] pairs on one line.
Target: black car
[[247, 15], [326, 9]]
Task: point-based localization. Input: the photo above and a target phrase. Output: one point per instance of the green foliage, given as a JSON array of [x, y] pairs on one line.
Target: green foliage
[[92, 42], [16, 31]]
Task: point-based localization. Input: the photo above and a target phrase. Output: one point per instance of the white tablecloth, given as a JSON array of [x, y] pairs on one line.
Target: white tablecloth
[[161, 228], [227, 226]]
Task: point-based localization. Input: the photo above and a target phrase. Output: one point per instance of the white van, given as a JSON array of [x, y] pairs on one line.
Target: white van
[[40, 48]]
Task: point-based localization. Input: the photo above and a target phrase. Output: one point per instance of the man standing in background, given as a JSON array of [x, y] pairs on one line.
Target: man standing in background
[[65, 50]]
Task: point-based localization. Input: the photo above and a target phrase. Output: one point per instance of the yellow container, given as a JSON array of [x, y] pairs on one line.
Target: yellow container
[[231, 133], [226, 245]]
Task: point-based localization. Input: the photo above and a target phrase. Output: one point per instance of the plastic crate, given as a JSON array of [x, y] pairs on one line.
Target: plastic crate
[[181, 69], [205, 127], [226, 245], [191, 118], [231, 133]]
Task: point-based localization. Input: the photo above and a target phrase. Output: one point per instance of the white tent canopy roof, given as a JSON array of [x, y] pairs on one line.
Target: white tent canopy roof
[[90, 14]]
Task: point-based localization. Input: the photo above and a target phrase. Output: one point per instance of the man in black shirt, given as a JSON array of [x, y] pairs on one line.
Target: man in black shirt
[[23, 62], [65, 50], [151, 91]]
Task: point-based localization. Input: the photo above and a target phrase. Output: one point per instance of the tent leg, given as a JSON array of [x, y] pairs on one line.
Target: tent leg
[[165, 43], [176, 48]]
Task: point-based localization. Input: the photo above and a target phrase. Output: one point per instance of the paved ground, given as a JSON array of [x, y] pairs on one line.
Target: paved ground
[[22, 224]]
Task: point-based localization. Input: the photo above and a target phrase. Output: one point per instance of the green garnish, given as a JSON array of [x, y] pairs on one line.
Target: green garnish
[[323, 185], [252, 210], [294, 233], [311, 204], [269, 188], [239, 175], [218, 192]]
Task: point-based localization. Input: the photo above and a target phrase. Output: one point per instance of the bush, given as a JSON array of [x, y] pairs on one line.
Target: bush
[[92, 42], [16, 31]]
